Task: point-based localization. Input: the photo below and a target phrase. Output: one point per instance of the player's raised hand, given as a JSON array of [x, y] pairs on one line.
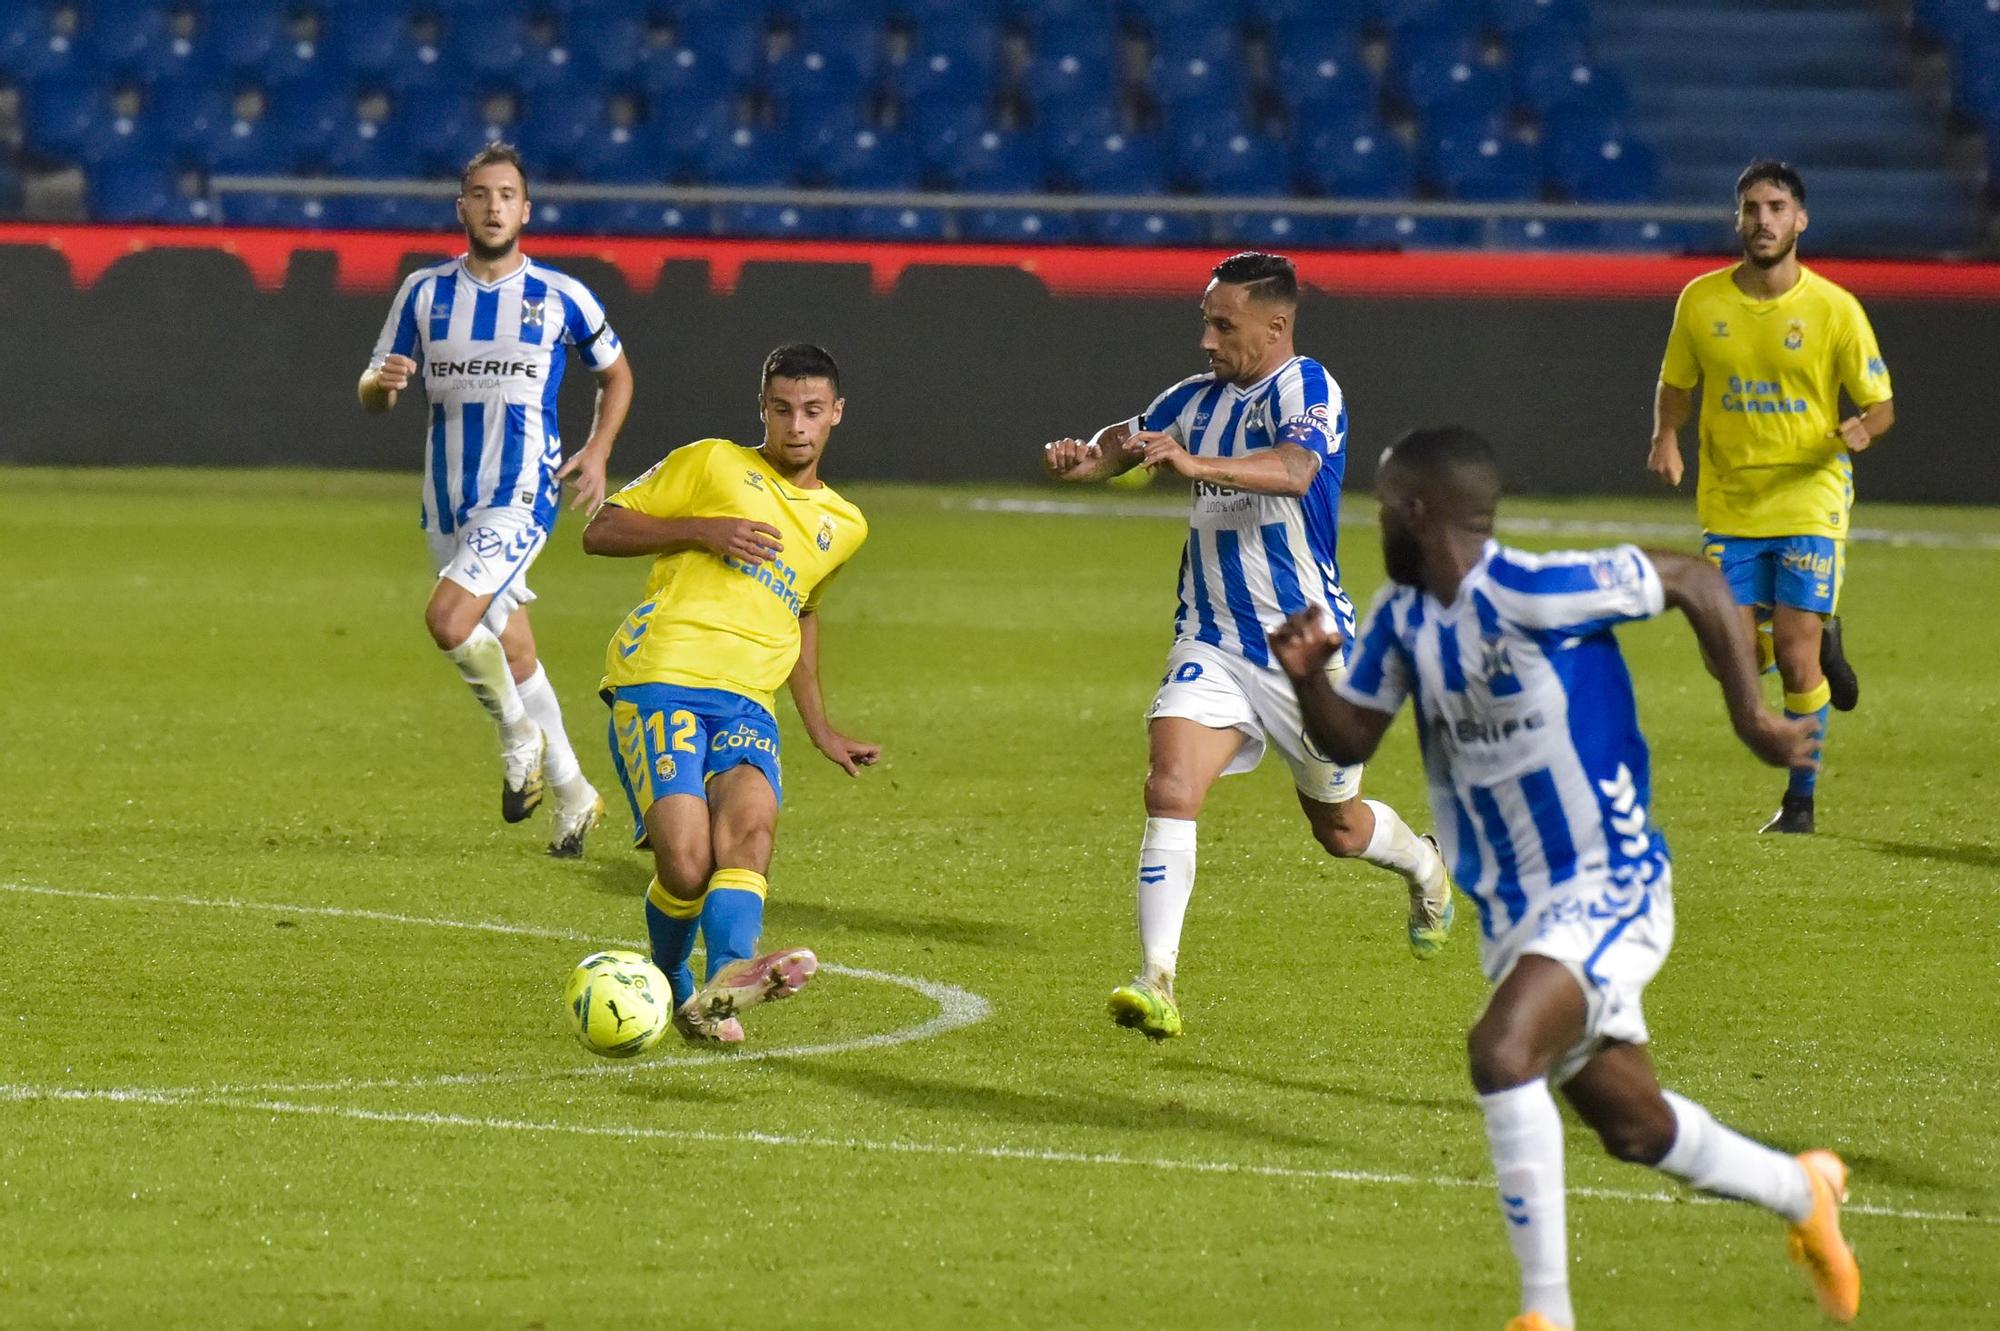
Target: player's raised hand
[[584, 471], [849, 755], [1071, 460], [1302, 644], [1853, 433], [1665, 459], [1154, 449], [394, 372], [1781, 741], [744, 540]]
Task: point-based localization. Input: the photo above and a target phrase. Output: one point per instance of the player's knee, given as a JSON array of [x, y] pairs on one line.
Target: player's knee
[[1642, 1139], [1170, 795], [1339, 836], [1501, 1059], [448, 625], [682, 872], [746, 846]]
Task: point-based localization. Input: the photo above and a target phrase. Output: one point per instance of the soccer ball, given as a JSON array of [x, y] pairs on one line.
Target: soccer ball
[[619, 1003]]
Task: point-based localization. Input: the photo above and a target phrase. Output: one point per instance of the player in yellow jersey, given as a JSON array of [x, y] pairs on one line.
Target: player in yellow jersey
[[743, 542], [1773, 345]]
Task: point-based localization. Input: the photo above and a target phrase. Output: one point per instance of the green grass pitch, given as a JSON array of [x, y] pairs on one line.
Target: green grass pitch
[[257, 1073]]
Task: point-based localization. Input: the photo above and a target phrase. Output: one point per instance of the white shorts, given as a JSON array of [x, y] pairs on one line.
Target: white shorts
[[489, 555], [1223, 692], [1613, 941]]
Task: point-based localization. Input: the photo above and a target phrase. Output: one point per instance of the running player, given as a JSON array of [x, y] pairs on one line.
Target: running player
[[743, 543], [1263, 438], [490, 331], [1541, 782], [1774, 343]]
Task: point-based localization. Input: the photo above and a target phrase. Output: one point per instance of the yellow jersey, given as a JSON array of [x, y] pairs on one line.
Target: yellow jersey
[[712, 622], [1771, 374]]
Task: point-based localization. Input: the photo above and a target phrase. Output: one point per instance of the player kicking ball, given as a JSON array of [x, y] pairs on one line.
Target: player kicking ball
[[1540, 782], [488, 333], [743, 543]]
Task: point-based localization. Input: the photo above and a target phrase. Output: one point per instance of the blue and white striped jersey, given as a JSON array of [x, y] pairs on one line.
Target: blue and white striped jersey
[[1540, 782], [492, 357], [1252, 559]]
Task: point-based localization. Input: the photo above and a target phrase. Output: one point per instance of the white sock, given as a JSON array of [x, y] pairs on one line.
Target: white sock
[[1166, 881], [559, 764], [1719, 1160], [1395, 847], [1526, 1134], [482, 664]]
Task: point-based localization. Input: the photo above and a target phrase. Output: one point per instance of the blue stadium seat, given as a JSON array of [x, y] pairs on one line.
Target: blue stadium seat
[[298, 58], [1612, 170], [614, 154], [1399, 15], [731, 42], [657, 219], [807, 13], [896, 223], [682, 130], [1667, 237], [1117, 163], [918, 12], [609, 41], [1087, 33], [1484, 164], [1247, 163], [1285, 231], [185, 115], [388, 212], [1561, 86], [870, 159], [1534, 233], [1514, 17], [810, 72], [1033, 226], [1441, 72], [1547, 45], [120, 139], [33, 47], [58, 113], [1146, 228], [291, 211], [947, 60], [744, 156], [941, 127], [1323, 66], [123, 39], [1065, 78], [1358, 159], [1955, 21], [240, 146], [1160, 17], [683, 71], [993, 161], [1410, 233], [1285, 20], [779, 219], [131, 193], [1196, 84], [361, 149], [370, 45]]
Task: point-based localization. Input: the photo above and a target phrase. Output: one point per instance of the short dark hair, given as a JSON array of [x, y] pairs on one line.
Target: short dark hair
[[1769, 170], [1268, 276], [494, 154], [1452, 455], [800, 360]]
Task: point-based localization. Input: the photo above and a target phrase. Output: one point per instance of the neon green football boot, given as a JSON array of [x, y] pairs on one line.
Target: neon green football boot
[[1147, 1006], [1431, 913]]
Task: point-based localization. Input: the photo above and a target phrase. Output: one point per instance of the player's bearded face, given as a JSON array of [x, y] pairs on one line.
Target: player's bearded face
[[493, 208], [1768, 222]]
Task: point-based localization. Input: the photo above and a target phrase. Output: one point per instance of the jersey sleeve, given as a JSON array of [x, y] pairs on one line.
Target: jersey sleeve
[[1679, 368], [399, 330], [671, 488], [1169, 410], [1309, 411], [1575, 592], [586, 328], [1858, 358], [1378, 669]]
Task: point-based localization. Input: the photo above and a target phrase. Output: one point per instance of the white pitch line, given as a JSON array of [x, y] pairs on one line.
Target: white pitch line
[[892, 1146], [1358, 516], [957, 1008]]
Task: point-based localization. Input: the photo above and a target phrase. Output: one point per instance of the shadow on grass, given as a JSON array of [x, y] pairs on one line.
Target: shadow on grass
[[1315, 1086], [1095, 1109], [1973, 856], [812, 915]]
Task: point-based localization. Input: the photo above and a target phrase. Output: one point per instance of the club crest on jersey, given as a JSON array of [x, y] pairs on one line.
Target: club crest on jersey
[[1795, 334], [825, 538], [531, 313]]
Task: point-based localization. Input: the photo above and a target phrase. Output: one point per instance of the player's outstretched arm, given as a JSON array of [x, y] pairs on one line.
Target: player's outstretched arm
[[1697, 590], [850, 755], [1671, 408], [584, 469], [1285, 470], [381, 384], [1345, 733], [621, 533], [1099, 458]]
